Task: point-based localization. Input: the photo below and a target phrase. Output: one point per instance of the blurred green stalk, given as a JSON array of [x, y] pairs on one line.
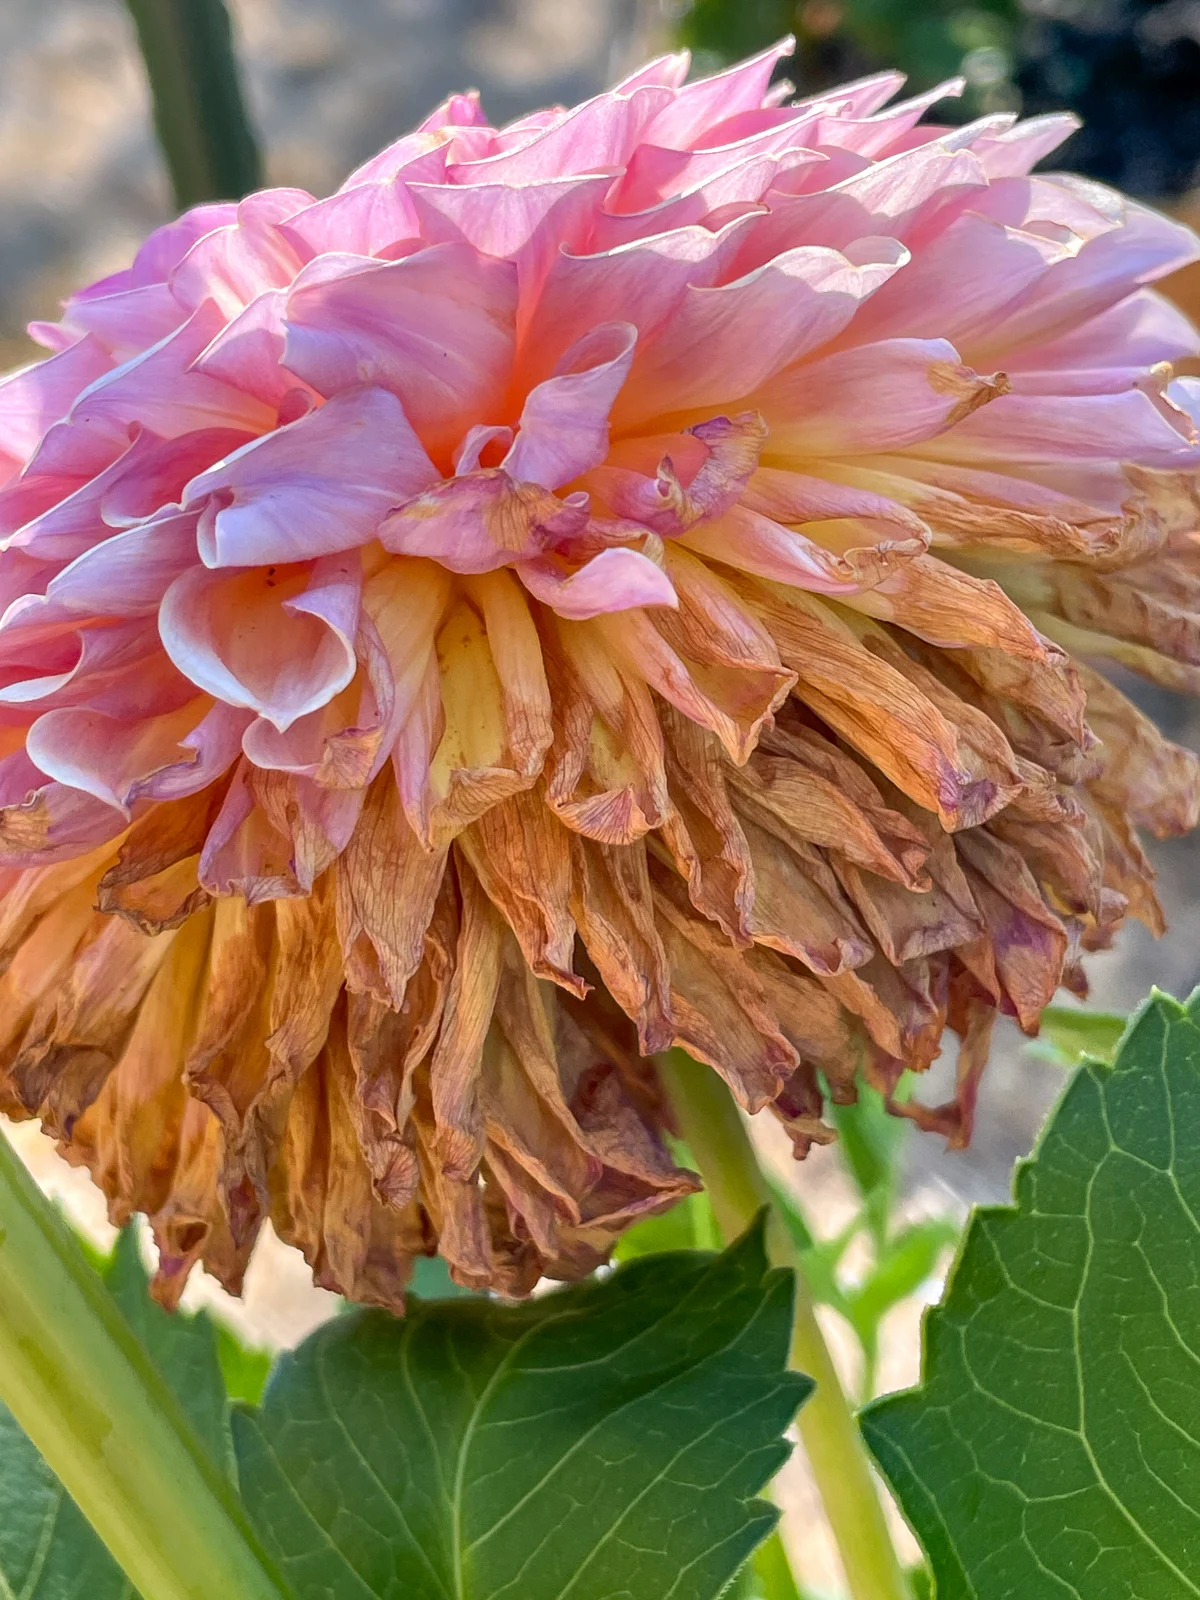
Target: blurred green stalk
[[84, 1390], [738, 1189], [199, 114]]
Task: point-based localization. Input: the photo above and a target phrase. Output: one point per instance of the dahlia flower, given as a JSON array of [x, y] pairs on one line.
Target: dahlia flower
[[639, 576]]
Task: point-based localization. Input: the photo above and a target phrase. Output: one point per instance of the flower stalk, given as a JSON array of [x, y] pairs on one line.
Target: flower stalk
[[199, 114], [738, 1189], [83, 1389]]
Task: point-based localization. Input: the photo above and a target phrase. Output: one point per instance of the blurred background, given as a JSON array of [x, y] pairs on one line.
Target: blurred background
[[330, 81]]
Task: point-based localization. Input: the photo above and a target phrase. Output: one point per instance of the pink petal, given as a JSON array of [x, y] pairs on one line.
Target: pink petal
[[934, 298], [36, 396], [235, 264], [319, 485], [702, 355], [640, 283], [698, 105], [564, 425], [126, 575], [167, 246], [480, 521], [1110, 266], [1050, 427], [874, 397], [435, 328], [364, 220], [149, 475], [106, 756], [598, 135], [125, 323], [248, 352], [157, 390], [458, 111], [704, 473], [56, 823], [614, 580], [209, 750], [276, 641]]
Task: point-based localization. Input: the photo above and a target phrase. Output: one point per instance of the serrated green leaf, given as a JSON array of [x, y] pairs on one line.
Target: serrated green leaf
[[1054, 1446], [602, 1442], [48, 1551]]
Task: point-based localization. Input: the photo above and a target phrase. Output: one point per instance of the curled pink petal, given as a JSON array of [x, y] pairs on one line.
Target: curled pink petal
[[321, 484], [278, 641], [614, 580]]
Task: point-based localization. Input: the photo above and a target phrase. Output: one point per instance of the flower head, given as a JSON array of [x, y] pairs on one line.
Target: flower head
[[617, 580]]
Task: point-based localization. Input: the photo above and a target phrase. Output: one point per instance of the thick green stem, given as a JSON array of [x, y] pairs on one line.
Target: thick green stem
[[84, 1390], [199, 114], [713, 1128]]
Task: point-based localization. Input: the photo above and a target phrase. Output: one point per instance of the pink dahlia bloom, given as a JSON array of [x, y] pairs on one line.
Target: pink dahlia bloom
[[617, 580]]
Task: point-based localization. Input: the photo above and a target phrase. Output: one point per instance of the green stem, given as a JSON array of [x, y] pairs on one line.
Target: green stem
[[774, 1572], [199, 114], [81, 1386], [716, 1135]]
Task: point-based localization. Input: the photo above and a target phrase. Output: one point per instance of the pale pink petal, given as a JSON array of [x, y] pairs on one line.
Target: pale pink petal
[[698, 105], [125, 322], [614, 580], [36, 396], [207, 751], [1053, 427], [364, 220], [480, 521], [1145, 328], [319, 485], [934, 298], [126, 575], [147, 477], [457, 111], [702, 356], [55, 823], [167, 246], [235, 264], [598, 135], [156, 390], [276, 641], [757, 544], [248, 352], [563, 429], [436, 329], [873, 397], [107, 756], [640, 283], [697, 473], [1115, 263], [524, 222]]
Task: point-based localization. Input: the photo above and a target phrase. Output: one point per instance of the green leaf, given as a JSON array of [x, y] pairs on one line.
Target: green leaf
[[431, 1280], [244, 1368], [598, 1443], [1054, 1446], [909, 1258], [1068, 1036], [48, 1551]]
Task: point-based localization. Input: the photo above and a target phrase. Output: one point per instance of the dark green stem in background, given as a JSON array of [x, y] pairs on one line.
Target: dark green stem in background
[[199, 114]]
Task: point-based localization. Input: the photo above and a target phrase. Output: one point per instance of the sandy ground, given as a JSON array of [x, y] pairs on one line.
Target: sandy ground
[[81, 184]]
